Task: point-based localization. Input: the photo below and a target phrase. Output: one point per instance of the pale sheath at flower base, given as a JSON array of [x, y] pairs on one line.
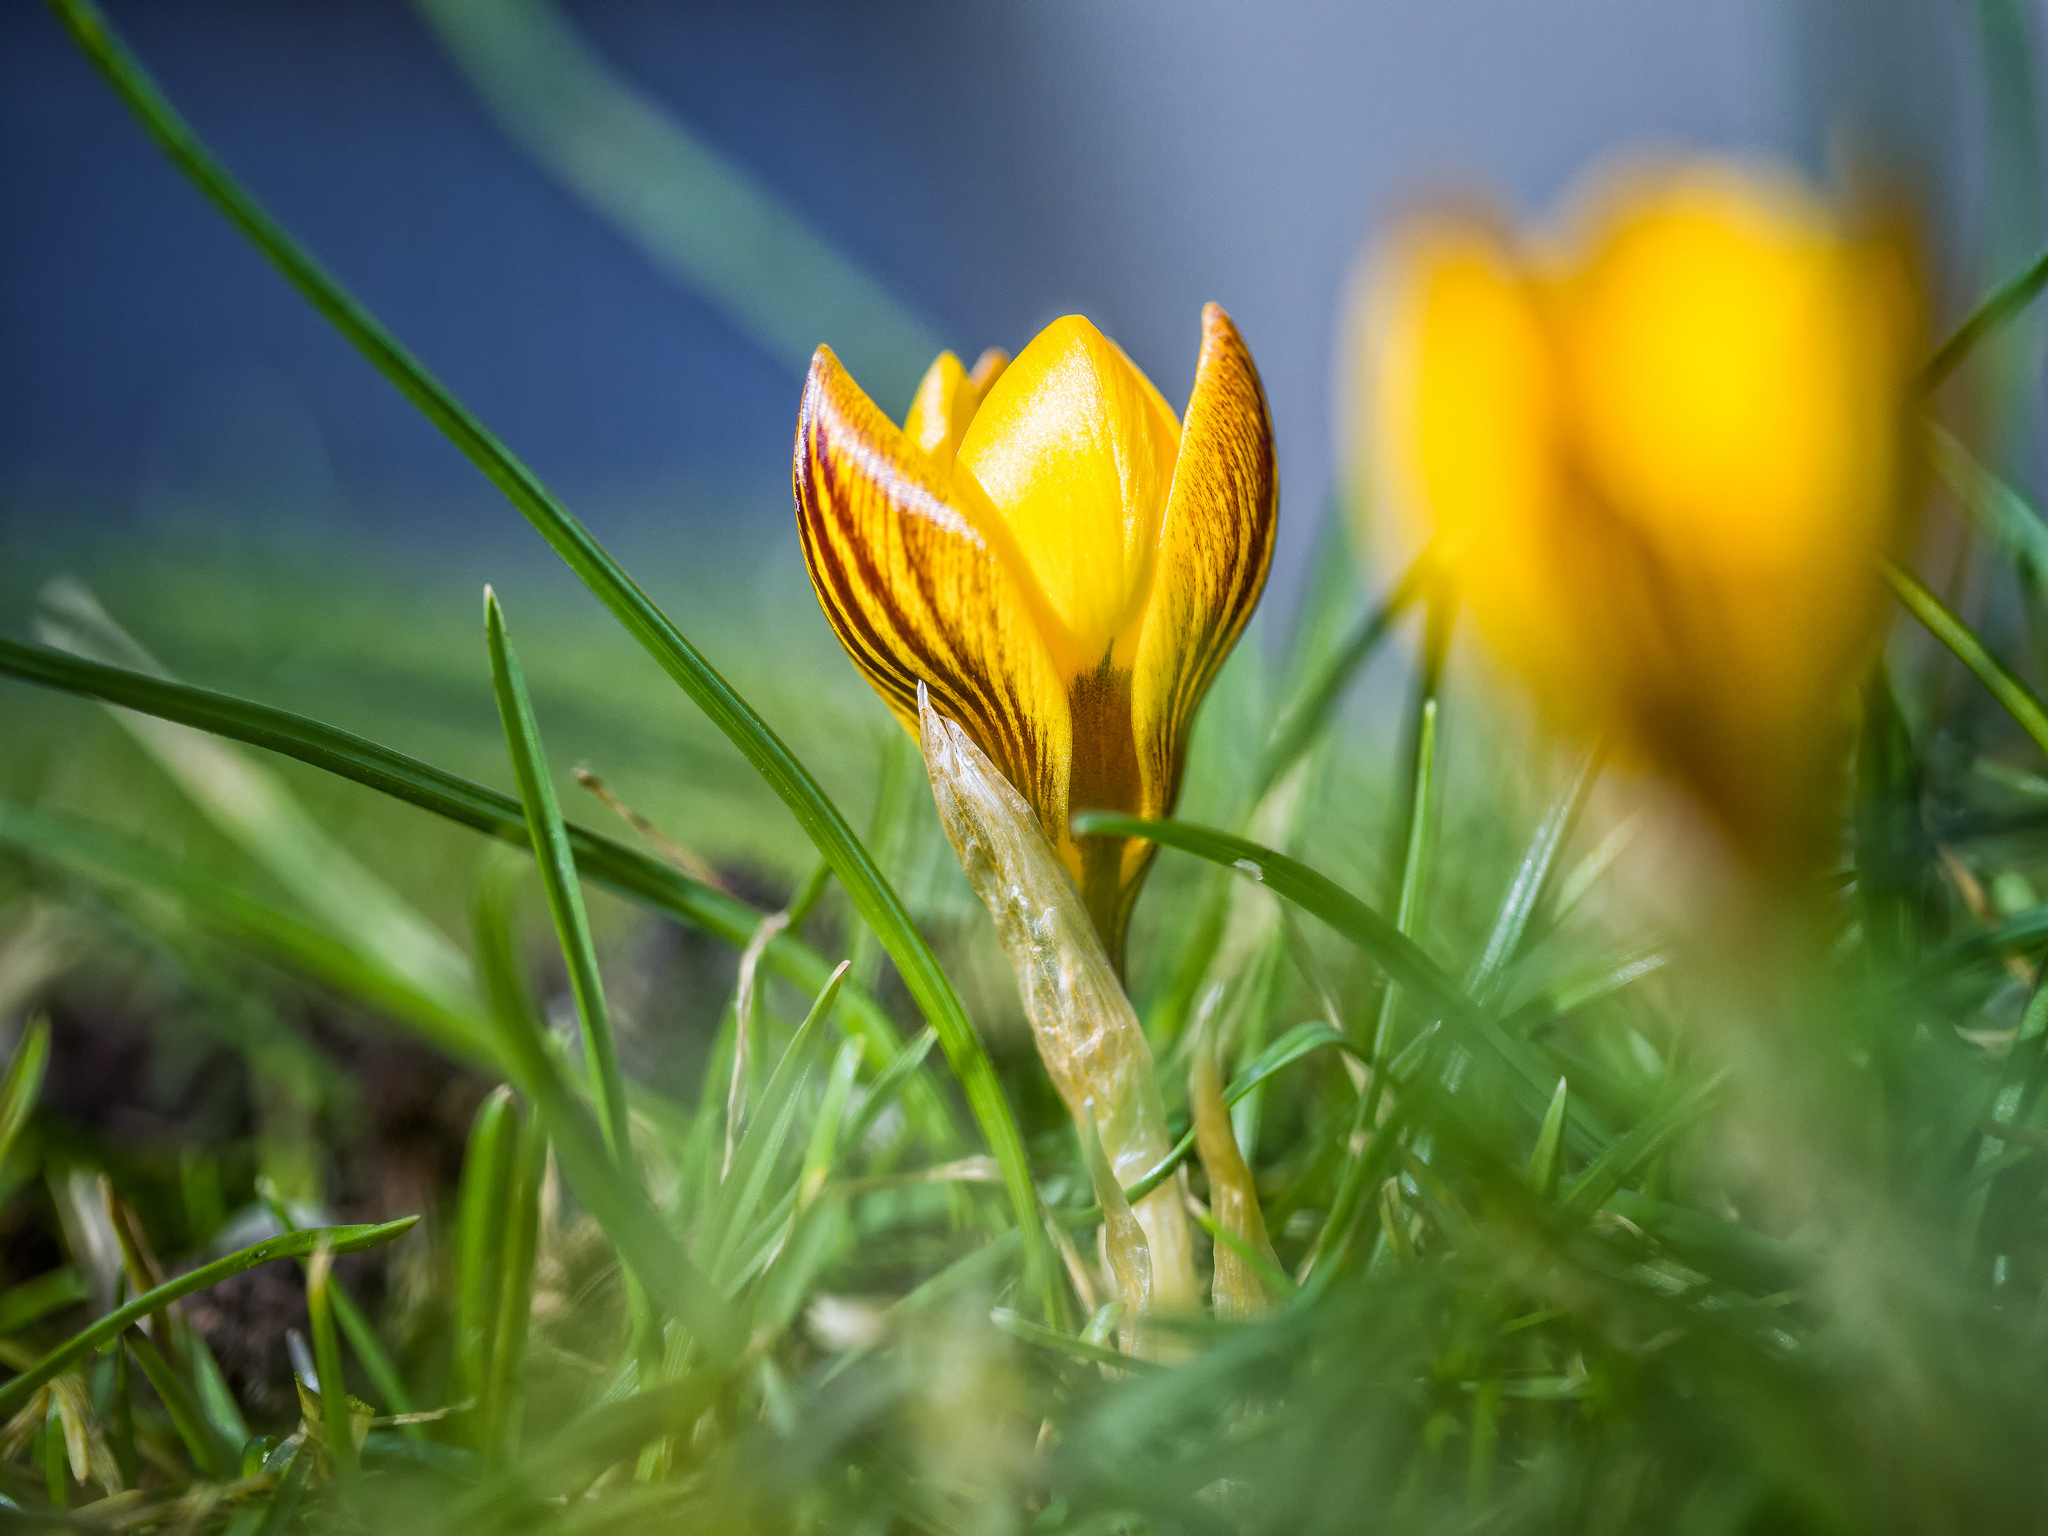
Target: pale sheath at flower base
[[1659, 454], [1089, 1039], [1056, 556]]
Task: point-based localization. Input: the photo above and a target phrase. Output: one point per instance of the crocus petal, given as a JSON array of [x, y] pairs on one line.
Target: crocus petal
[[1734, 391], [1215, 545], [988, 368], [946, 401], [1729, 387], [1660, 455], [916, 591], [1463, 394], [1075, 450]]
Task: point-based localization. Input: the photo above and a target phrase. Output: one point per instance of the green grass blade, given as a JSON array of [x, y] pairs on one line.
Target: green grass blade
[[1589, 983], [888, 1087], [501, 1403], [823, 1148], [558, 880], [287, 1245], [1420, 843], [283, 1507], [1312, 705], [355, 1327], [1612, 1168], [334, 1408], [123, 864], [767, 1131], [216, 1398], [1284, 1052], [1547, 1156], [1288, 1049], [213, 1457], [2004, 684], [23, 1082], [467, 803], [33, 1300], [645, 1245], [820, 819], [694, 213], [257, 811], [579, 1452], [1398, 955], [1028, 1332], [1532, 877], [2009, 517], [1999, 306], [483, 1201]]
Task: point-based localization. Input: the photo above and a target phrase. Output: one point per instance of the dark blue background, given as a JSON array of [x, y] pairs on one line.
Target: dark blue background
[[992, 166]]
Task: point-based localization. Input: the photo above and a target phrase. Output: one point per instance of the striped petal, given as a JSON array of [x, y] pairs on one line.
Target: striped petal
[[1214, 548], [909, 565]]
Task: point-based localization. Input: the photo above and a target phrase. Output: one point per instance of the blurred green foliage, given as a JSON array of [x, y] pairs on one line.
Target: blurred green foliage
[[1611, 1193]]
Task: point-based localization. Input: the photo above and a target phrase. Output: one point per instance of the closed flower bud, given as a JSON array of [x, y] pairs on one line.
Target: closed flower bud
[[1659, 455]]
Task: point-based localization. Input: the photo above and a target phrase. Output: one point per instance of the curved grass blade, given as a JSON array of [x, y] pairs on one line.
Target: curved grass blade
[[767, 1129], [2009, 517], [1546, 1158], [558, 880], [1310, 709], [286, 1245], [291, 1487], [2013, 936], [1588, 985], [1941, 621], [483, 1204], [1532, 876], [33, 1300], [888, 1087], [645, 1245], [979, 1270], [502, 1393], [1285, 1051], [125, 865], [334, 1404], [24, 1081], [256, 810], [820, 819], [1421, 819], [210, 1452], [694, 214], [1997, 307], [467, 803], [577, 1454], [1608, 1171], [1395, 953], [370, 1352], [1028, 1332]]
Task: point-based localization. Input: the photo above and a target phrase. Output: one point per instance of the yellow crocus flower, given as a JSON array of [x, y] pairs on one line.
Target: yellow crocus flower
[[1659, 455], [1061, 560]]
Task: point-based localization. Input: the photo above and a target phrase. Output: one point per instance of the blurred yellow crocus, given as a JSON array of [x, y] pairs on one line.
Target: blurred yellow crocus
[[1061, 560], [1658, 452]]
